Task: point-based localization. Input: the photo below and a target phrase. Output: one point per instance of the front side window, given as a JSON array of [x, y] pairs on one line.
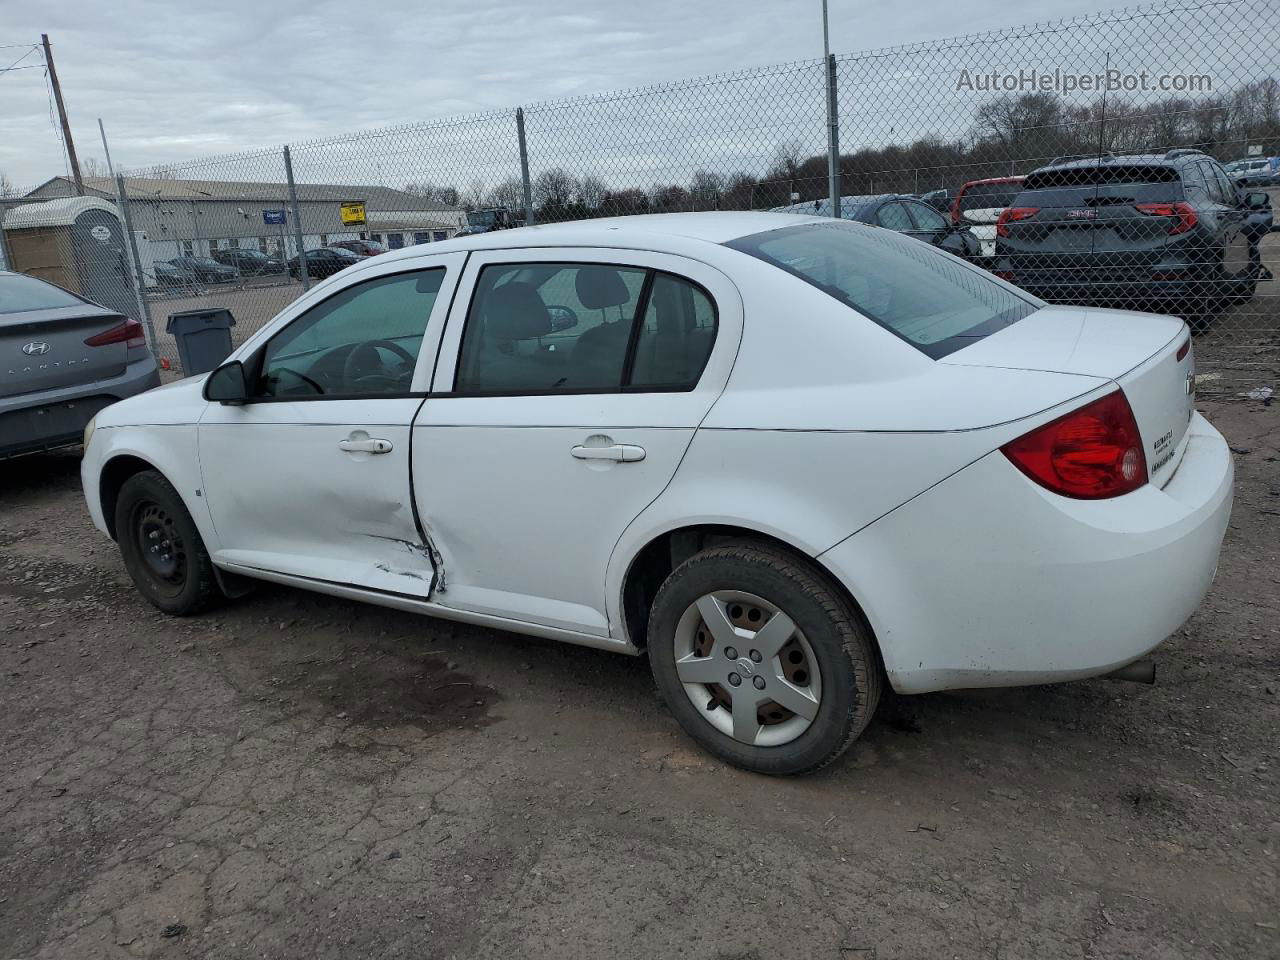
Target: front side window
[[538, 328], [925, 297], [362, 341]]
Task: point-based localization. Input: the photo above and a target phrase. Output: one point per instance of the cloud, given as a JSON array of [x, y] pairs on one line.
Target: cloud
[[173, 81]]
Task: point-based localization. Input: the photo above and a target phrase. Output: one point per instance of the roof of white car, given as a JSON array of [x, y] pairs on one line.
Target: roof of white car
[[646, 231]]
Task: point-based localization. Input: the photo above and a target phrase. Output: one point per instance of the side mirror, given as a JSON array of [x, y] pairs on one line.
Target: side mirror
[[227, 384], [1258, 200]]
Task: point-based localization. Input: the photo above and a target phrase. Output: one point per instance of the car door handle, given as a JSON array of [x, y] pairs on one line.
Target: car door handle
[[371, 445], [618, 452]]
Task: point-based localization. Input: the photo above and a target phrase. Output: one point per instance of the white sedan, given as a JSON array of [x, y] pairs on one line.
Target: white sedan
[[791, 458]]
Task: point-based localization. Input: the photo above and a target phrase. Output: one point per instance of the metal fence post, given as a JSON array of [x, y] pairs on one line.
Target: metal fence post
[[135, 265], [529, 217], [833, 138], [304, 269]]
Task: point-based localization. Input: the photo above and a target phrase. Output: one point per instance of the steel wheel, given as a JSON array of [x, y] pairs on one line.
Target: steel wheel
[[747, 667], [159, 544]]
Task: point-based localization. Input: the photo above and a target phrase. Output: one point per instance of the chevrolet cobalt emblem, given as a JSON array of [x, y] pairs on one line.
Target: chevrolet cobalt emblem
[[36, 348]]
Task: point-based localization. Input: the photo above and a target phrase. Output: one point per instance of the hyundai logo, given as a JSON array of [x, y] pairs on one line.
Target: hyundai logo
[[36, 348]]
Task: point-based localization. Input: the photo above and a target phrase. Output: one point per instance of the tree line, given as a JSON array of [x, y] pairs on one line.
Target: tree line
[[1007, 135]]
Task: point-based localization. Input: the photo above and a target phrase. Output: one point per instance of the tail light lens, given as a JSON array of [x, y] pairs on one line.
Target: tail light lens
[[1011, 215], [129, 333], [1089, 454], [1186, 216]]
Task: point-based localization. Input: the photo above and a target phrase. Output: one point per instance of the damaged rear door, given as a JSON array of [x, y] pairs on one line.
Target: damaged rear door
[[311, 477]]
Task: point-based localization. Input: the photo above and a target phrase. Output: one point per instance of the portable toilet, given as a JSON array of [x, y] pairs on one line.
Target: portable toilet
[[76, 242]]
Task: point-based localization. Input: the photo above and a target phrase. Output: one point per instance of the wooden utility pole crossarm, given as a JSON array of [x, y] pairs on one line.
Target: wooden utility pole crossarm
[[62, 115]]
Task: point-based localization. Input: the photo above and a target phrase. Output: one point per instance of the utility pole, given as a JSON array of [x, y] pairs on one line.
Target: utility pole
[[62, 115]]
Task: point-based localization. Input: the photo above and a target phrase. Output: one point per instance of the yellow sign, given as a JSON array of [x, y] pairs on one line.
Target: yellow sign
[[353, 213]]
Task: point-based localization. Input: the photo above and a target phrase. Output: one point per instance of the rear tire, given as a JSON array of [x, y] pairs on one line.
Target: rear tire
[[161, 547], [735, 626]]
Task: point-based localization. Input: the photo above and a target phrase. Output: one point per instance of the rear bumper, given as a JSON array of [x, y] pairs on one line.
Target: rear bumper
[[988, 580], [33, 422]]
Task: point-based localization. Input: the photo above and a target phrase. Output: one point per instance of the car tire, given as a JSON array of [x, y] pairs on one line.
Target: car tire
[[827, 667], [162, 549]]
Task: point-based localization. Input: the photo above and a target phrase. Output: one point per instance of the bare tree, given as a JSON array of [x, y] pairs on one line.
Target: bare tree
[[554, 187], [705, 189], [591, 191], [508, 194], [447, 195], [7, 189], [474, 196], [93, 167]]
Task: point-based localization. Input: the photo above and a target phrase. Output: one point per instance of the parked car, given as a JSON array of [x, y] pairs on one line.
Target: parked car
[[978, 206], [900, 213], [361, 248], [205, 269], [170, 276], [792, 458], [1165, 232], [323, 262], [249, 263], [1255, 171], [64, 359]]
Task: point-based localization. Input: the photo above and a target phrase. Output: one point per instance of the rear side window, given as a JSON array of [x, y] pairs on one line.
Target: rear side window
[[928, 299], [20, 293], [543, 328]]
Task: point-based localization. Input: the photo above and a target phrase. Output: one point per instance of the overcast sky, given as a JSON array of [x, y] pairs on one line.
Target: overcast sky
[[175, 80]]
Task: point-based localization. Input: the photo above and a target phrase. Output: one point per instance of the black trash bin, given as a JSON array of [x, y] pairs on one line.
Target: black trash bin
[[203, 336]]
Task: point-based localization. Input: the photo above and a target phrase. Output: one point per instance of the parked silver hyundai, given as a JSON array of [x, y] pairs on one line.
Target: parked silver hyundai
[[62, 359]]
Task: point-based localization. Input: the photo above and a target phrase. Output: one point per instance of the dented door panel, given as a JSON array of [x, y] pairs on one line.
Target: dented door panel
[[297, 488]]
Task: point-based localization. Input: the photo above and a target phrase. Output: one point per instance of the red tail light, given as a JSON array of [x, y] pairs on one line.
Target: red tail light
[[1004, 275], [129, 333], [1011, 215], [1090, 454], [1186, 215], [1183, 350]]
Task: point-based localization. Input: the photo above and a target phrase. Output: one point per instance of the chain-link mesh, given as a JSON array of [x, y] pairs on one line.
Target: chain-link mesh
[[1125, 159]]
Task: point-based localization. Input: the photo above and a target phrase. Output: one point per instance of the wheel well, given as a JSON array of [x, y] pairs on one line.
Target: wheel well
[[654, 563], [114, 474]]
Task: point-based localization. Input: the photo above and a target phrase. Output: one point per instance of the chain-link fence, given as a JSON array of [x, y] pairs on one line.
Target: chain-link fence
[[1126, 159]]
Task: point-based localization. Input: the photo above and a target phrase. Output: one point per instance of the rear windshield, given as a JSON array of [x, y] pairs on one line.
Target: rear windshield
[[988, 196], [937, 304], [19, 293], [1100, 186]]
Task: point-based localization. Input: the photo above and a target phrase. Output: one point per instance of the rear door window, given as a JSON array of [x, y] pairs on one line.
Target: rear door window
[[988, 196], [930, 300], [893, 216]]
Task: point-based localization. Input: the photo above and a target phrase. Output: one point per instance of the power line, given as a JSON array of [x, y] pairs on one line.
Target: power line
[[14, 65]]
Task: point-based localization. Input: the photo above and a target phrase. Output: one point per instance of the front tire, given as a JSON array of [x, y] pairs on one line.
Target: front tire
[[161, 547], [762, 659]]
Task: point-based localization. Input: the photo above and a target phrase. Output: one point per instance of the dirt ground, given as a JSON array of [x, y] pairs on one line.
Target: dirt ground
[[293, 776]]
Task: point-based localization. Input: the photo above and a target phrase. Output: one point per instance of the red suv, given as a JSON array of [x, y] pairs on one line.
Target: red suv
[[978, 206]]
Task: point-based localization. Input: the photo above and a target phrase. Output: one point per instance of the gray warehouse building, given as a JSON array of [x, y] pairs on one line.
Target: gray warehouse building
[[174, 218]]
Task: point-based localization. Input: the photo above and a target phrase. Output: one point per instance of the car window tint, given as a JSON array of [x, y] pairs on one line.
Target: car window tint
[[932, 301], [1194, 186], [1227, 188], [925, 217], [543, 327], [893, 216], [676, 336], [362, 341], [19, 293]]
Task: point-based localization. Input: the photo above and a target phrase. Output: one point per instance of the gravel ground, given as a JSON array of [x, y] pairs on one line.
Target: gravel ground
[[298, 776]]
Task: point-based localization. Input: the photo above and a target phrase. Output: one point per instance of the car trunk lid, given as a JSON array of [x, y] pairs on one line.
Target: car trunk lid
[[1147, 355], [46, 349]]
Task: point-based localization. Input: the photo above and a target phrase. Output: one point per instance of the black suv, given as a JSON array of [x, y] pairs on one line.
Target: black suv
[[1167, 232]]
